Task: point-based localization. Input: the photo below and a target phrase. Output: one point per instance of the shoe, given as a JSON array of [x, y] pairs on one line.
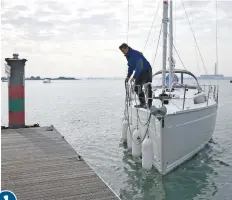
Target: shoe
[[143, 105], [137, 106]]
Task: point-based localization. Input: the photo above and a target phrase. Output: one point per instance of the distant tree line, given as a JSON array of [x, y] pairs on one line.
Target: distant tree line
[[39, 78]]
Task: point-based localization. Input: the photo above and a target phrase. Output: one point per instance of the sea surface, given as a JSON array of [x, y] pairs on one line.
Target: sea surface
[[89, 113]]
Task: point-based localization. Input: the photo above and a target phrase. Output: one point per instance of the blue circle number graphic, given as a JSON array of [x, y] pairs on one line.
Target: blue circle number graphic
[[7, 195]]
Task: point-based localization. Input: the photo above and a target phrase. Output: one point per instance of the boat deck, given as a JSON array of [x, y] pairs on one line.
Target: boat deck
[[176, 103], [40, 164]]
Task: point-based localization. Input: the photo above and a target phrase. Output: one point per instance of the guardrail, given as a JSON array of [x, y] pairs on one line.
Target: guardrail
[[207, 91]]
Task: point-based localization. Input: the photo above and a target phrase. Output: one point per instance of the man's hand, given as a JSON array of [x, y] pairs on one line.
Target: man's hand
[[132, 80], [127, 79]]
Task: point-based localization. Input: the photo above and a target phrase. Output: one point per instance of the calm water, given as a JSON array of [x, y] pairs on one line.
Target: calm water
[[88, 113]]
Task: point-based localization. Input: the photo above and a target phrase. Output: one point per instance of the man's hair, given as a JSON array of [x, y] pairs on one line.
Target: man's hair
[[123, 46]]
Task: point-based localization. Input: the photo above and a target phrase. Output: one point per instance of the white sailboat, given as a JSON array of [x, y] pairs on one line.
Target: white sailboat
[[181, 120]]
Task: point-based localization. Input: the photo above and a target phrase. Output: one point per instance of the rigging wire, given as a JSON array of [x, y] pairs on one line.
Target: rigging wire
[[127, 110], [153, 63], [216, 24], [178, 54], [216, 34], [127, 95], [151, 26], [128, 26], [195, 44], [194, 37], [128, 20]]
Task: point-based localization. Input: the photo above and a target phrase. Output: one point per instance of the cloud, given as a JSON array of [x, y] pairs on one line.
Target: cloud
[[88, 33]]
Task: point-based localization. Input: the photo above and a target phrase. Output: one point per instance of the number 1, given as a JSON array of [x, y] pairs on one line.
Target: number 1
[[5, 197]]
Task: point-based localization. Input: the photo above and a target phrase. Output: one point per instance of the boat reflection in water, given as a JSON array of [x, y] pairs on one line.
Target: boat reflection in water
[[192, 180]]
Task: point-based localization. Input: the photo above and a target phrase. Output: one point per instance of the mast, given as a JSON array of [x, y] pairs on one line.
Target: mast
[[170, 46], [165, 29], [215, 69]]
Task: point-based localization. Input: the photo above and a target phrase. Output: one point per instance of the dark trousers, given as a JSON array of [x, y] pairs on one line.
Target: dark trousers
[[143, 78]]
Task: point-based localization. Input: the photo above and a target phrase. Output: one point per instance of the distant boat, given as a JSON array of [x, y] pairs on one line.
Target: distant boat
[[47, 80], [231, 81]]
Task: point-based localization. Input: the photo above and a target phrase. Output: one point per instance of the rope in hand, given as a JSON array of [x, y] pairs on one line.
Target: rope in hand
[[128, 99]]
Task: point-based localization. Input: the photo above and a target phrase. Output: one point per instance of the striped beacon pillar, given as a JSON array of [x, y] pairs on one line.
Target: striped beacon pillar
[[16, 92]]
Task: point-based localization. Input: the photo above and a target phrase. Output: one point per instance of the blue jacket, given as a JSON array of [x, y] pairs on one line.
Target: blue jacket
[[136, 62]]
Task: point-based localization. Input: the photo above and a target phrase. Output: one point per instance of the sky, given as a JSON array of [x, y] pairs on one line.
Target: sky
[[81, 38]]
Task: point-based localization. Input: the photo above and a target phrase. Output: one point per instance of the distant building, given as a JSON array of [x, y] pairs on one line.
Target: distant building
[[212, 76]]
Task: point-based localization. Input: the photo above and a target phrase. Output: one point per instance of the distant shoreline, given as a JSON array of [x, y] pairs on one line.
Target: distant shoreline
[[37, 78], [28, 79]]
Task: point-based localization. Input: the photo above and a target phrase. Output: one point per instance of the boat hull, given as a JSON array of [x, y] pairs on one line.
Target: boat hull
[[178, 136]]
